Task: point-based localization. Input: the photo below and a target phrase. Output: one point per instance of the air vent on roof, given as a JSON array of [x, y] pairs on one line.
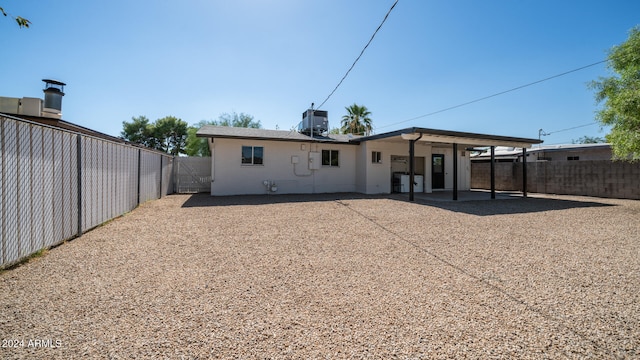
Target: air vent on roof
[[53, 93]]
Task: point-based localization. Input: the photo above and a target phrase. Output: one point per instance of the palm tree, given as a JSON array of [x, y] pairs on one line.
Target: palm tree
[[357, 121]]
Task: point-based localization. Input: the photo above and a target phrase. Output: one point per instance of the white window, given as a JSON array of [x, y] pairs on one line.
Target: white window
[[252, 155], [376, 157], [330, 158]]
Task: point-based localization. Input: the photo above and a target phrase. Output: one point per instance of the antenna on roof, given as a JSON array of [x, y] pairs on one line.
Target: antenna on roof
[[312, 105]]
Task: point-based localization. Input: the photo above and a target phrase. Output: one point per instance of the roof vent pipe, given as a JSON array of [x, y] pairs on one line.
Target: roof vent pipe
[[53, 93]]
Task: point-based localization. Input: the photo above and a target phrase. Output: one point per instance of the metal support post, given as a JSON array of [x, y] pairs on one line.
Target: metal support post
[[493, 172], [524, 172], [455, 171]]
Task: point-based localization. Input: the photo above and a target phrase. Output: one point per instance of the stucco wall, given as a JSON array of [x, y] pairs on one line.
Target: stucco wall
[[356, 173], [231, 177], [601, 178], [379, 176]]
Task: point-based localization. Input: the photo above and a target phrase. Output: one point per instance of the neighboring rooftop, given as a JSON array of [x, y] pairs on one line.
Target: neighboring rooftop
[[506, 151], [62, 124]]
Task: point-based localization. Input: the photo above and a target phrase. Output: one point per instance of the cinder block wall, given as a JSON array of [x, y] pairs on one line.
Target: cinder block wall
[[601, 178]]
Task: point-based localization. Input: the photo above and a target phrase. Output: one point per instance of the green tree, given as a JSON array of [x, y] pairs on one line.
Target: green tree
[[357, 120], [621, 96], [139, 131], [238, 120], [589, 140], [196, 146], [171, 134], [22, 22], [168, 134]]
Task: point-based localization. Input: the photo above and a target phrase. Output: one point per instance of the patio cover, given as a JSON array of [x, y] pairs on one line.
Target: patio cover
[[455, 139]]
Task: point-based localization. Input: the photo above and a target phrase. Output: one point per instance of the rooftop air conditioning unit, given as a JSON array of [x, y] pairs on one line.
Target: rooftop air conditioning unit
[[314, 122]]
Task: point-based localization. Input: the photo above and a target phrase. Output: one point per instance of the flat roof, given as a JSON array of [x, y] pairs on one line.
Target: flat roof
[[428, 135], [450, 137]]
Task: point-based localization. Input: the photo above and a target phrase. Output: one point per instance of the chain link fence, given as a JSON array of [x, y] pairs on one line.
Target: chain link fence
[[56, 184]]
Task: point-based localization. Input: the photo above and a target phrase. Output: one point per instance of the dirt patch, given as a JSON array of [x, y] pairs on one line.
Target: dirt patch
[[336, 276]]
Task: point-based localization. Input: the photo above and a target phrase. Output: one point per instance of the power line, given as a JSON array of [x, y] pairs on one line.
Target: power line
[[572, 128], [361, 52], [496, 94], [544, 133]]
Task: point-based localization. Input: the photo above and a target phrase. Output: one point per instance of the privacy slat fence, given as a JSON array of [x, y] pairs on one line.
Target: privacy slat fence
[[56, 184], [192, 175]]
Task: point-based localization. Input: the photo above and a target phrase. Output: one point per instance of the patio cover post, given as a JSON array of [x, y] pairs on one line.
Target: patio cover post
[[524, 172], [493, 172], [412, 170], [455, 171]]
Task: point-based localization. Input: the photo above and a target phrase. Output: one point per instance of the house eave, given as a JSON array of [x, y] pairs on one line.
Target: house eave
[[453, 137]]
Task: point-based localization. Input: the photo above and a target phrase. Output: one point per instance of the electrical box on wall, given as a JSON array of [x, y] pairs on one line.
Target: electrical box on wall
[[295, 159], [315, 160]]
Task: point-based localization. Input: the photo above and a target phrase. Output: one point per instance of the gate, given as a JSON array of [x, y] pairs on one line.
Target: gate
[[192, 174]]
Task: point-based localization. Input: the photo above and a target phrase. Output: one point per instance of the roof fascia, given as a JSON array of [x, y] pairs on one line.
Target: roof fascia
[[264, 138], [447, 137]]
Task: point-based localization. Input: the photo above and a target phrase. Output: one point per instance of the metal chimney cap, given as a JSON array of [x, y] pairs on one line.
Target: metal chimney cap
[[54, 82]]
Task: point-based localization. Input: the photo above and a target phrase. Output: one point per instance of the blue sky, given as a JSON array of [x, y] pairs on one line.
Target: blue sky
[[197, 59]]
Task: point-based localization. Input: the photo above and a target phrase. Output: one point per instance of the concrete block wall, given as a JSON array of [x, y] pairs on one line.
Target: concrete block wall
[[600, 178]]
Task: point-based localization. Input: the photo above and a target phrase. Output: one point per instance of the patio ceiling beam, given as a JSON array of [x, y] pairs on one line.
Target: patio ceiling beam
[[472, 142]]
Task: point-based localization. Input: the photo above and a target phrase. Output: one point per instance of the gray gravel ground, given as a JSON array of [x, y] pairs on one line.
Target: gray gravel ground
[[336, 276]]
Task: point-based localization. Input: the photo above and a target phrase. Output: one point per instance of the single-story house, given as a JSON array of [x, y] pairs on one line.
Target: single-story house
[[256, 161]]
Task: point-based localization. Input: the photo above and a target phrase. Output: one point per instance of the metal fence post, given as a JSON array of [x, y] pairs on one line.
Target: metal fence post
[[79, 171], [161, 158], [3, 235], [139, 174]]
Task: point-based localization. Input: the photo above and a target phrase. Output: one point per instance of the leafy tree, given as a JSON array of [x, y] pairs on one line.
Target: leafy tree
[[171, 134], [196, 146], [22, 22], [621, 96], [589, 140], [357, 120], [168, 134], [139, 131], [334, 131], [237, 120]]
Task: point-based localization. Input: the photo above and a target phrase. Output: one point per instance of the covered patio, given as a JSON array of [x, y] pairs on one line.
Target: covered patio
[[458, 143]]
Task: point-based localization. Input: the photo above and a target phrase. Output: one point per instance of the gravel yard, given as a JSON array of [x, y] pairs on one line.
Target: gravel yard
[[336, 276]]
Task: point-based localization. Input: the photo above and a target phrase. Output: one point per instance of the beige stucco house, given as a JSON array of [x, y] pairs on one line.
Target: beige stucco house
[[256, 161]]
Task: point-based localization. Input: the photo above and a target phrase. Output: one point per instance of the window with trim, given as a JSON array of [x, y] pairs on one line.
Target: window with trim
[[330, 158], [252, 155], [376, 157]]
